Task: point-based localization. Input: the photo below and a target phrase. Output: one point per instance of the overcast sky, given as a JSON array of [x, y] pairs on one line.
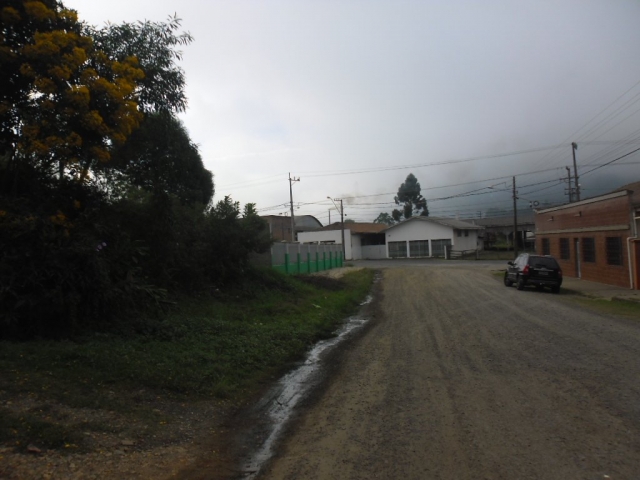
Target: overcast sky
[[325, 89]]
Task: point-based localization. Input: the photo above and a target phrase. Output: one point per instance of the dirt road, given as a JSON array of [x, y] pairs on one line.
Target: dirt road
[[463, 378]]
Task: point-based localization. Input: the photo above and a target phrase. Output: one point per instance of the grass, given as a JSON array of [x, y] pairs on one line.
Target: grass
[[619, 307], [223, 345]]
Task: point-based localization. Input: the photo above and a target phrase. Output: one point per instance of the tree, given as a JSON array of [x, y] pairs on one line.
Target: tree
[[161, 158], [385, 218], [413, 203], [64, 102], [154, 46]]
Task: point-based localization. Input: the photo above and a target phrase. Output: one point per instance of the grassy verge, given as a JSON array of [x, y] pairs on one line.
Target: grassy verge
[[223, 345], [619, 307]]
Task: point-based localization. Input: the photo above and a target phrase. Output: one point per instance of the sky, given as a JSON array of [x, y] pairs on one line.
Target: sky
[[352, 96]]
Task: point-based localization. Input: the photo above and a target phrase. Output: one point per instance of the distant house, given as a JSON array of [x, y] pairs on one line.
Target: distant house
[[430, 236], [596, 238], [503, 225], [362, 240], [280, 226]]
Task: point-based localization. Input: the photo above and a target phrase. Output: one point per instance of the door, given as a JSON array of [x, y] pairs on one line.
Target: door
[[576, 250]]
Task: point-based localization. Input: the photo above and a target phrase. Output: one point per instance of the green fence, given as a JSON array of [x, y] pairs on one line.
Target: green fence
[[300, 258]]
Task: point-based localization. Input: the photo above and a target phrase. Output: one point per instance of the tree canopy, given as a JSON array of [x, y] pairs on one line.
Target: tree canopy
[[385, 218], [105, 202], [161, 158], [64, 102], [412, 201]]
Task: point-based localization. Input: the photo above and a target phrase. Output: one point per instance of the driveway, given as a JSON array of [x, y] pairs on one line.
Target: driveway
[[460, 378]]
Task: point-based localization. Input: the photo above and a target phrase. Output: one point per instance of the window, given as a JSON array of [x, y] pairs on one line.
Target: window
[[546, 249], [398, 249], [459, 233], [466, 233], [419, 248], [565, 252], [589, 249], [614, 250]]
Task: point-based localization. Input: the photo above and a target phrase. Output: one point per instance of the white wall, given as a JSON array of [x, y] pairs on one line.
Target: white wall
[[374, 252], [356, 246], [418, 230], [466, 243], [329, 236]]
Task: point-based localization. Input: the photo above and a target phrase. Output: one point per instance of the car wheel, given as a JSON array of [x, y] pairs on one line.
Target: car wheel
[[520, 285], [555, 289], [507, 282]]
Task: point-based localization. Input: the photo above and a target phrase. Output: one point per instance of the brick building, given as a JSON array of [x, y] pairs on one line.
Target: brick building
[[595, 239]]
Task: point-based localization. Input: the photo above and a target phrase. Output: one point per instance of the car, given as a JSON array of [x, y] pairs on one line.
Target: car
[[538, 270]]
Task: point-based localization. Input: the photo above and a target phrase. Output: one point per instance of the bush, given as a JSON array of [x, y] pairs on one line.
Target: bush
[[87, 264]]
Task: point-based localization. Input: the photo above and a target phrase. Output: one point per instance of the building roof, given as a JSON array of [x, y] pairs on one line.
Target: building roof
[[447, 222], [635, 188], [503, 220], [630, 187], [356, 227]]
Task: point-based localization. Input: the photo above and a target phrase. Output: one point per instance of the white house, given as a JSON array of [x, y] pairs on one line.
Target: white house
[[429, 236], [362, 240]]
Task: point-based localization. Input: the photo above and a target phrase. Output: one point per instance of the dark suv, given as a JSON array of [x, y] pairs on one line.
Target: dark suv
[[541, 271]]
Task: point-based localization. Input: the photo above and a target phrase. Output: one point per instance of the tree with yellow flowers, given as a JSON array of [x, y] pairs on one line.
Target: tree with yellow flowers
[[64, 102]]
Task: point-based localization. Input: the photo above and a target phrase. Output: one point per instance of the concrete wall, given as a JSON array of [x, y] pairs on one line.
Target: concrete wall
[[469, 242], [334, 236], [374, 252]]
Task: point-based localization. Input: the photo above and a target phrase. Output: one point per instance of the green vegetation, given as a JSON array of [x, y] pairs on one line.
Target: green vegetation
[[105, 203], [620, 307], [218, 345]]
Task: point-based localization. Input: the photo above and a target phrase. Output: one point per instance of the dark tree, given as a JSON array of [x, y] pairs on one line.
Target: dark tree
[[412, 202], [385, 218], [161, 158]]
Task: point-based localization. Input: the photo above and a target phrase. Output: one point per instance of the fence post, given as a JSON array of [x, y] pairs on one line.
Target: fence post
[[286, 258]]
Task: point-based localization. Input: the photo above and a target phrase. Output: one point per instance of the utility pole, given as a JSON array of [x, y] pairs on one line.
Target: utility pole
[[293, 225], [515, 220], [329, 216], [569, 181], [574, 147], [344, 250]]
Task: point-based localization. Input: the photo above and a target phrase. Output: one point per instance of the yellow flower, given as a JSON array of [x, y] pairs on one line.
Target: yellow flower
[[38, 10]]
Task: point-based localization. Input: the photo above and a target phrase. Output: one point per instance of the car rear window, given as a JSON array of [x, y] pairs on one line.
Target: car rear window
[[547, 262]]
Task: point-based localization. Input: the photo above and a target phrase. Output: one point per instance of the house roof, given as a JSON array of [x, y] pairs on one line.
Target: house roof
[[447, 222], [357, 227]]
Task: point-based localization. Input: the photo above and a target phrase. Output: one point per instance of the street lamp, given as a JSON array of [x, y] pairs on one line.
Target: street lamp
[[341, 210]]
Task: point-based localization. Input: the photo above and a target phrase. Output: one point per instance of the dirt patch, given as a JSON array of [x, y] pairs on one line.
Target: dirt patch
[[111, 445]]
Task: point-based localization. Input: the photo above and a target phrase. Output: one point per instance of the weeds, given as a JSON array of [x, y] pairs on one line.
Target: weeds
[[218, 345]]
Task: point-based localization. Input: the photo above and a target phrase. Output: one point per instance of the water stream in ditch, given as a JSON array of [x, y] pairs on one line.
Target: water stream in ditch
[[279, 403]]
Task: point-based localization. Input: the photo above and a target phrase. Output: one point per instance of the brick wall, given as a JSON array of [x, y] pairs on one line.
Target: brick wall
[[570, 221], [598, 271]]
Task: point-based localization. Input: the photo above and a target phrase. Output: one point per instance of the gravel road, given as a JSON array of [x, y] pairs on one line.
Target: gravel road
[[463, 378]]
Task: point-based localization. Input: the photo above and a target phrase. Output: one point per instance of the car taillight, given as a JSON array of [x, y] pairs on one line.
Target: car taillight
[[525, 270], [560, 272]]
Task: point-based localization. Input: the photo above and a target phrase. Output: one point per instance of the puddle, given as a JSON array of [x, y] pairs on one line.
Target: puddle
[[279, 404]]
